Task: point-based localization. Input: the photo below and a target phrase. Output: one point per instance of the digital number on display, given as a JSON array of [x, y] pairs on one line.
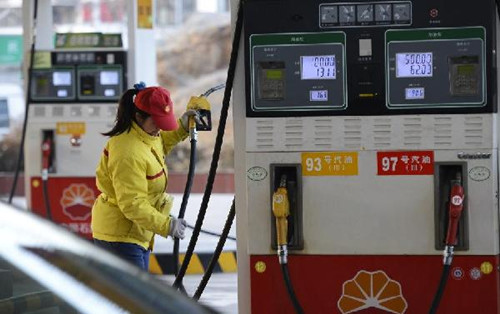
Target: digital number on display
[[318, 67], [415, 93], [318, 95], [414, 64]]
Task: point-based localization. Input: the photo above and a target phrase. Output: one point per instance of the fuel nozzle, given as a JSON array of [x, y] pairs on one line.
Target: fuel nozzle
[[46, 155], [203, 119], [281, 211], [455, 209]]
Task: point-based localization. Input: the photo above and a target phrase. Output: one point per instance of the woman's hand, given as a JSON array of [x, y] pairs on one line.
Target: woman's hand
[[185, 118], [177, 228]]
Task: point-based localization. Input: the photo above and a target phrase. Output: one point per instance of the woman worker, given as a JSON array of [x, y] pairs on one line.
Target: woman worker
[[132, 175]]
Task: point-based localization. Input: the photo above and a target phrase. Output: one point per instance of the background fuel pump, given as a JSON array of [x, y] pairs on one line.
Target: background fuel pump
[[375, 107], [73, 101], [76, 82]]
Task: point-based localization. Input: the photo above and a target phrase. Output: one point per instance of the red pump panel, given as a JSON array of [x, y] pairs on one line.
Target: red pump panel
[[375, 284], [71, 201]]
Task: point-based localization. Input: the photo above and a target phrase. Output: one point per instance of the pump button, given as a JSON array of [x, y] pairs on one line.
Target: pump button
[[383, 12], [402, 12], [365, 13], [329, 14]]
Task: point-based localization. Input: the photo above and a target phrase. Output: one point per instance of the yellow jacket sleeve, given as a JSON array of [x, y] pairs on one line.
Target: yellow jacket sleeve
[[172, 138], [131, 189]]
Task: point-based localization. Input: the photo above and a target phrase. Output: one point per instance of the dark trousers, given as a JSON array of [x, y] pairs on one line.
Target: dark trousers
[[131, 252]]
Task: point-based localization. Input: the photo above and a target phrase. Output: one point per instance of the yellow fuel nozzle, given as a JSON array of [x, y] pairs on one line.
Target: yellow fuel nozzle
[[202, 106], [281, 210], [198, 103]]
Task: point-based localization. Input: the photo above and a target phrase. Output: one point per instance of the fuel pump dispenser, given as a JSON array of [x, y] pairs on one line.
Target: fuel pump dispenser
[[383, 114], [77, 80], [72, 101]]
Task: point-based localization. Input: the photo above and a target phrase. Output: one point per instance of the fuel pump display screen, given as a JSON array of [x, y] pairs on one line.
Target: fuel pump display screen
[[109, 78], [319, 95], [436, 68], [415, 93], [61, 78], [414, 64], [56, 84], [318, 67], [99, 82], [298, 72]]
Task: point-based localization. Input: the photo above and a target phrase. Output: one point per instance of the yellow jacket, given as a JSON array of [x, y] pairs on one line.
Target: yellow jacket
[[132, 178]]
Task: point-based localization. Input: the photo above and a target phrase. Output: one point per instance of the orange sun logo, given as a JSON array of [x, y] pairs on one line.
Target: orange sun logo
[[371, 289], [77, 200]]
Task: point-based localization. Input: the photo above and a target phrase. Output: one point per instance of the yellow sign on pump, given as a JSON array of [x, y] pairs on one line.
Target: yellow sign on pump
[[145, 14], [70, 128], [330, 164]]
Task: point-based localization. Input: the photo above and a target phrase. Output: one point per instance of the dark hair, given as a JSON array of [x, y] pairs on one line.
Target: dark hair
[[126, 113]]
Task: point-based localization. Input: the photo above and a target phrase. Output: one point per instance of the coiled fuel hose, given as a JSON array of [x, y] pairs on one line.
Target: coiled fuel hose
[[193, 137], [217, 147], [200, 104], [27, 105]]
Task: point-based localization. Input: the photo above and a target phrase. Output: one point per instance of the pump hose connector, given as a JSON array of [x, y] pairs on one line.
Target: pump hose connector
[[193, 133], [448, 254], [283, 254]]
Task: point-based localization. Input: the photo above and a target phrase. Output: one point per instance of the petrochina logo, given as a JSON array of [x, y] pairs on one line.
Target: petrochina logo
[[371, 290], [77, 200]]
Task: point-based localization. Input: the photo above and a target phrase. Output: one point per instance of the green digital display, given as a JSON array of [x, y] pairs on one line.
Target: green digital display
[[466, 69], [274, 74]]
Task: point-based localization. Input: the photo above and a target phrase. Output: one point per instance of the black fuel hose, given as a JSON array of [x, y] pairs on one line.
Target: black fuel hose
[[439, 293], [217, 252], [185, 198], [446, 267], [218, 145], [289, 288], [27, 104], [215, 234], [498, 7], [46, 199]]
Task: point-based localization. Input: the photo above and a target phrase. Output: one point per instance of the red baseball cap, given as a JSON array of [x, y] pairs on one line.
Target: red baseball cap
[[156, 101]]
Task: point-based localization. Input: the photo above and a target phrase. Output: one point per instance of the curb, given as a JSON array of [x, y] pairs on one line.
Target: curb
[[163, 264]]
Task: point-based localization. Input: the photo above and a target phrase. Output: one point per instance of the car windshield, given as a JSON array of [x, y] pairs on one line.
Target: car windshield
[[45, 269], [19, 293], [99, 283]]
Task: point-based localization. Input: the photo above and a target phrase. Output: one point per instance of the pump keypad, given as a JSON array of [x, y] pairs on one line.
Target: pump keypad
[[355, 14]]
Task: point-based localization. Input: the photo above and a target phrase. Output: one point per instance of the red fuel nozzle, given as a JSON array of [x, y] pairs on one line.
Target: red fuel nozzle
[[456, 207], [46, 152]]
